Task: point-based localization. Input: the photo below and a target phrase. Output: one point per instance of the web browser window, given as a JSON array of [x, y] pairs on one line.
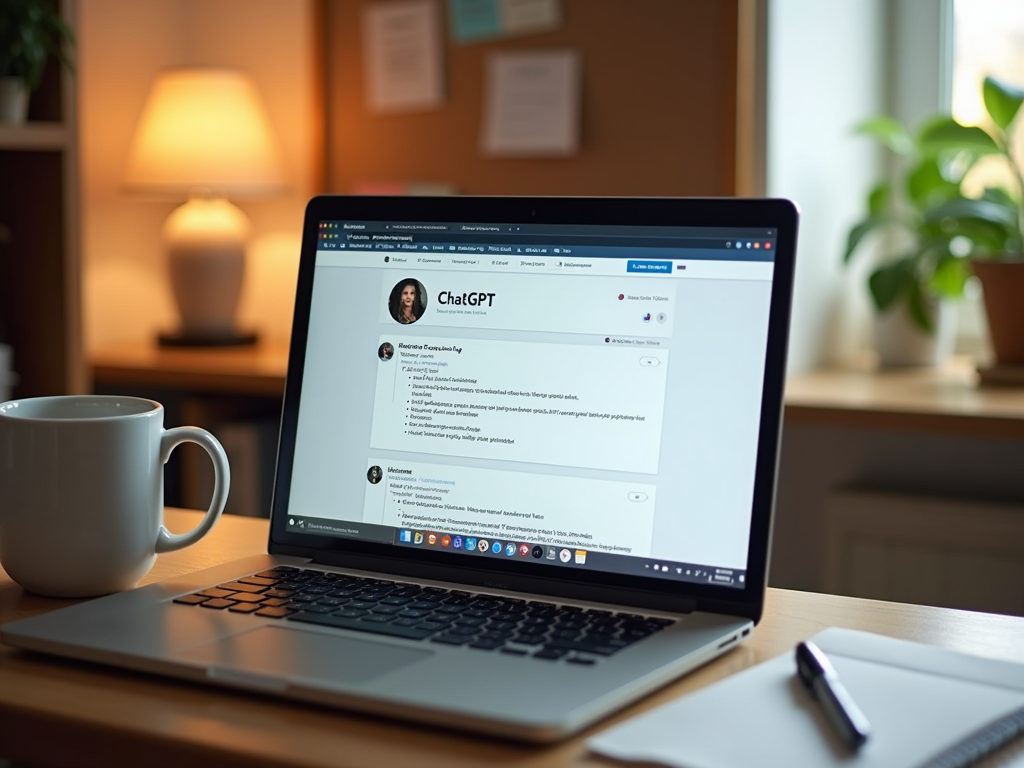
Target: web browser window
[[580, 396]]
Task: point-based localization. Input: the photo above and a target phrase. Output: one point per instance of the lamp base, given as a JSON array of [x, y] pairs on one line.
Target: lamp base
[[205, 240], [196, 340]]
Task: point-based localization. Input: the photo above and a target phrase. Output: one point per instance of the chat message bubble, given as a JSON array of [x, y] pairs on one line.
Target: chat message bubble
[[596, 515], [597, 407]]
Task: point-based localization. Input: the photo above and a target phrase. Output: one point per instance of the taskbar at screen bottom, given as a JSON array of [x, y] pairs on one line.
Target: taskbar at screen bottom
[[546, 553]]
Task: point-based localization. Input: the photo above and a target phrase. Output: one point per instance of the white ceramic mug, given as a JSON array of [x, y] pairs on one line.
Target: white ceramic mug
[[81, 491]]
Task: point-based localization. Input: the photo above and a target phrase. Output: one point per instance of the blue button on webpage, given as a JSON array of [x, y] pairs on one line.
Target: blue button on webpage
[[663, 267]]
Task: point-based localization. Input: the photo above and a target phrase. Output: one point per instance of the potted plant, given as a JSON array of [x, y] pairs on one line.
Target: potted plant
[[921, 267], [30, 32], [990, 224]]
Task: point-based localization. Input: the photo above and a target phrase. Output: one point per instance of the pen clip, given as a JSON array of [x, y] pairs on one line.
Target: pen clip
[[811, 663], [822, 682]]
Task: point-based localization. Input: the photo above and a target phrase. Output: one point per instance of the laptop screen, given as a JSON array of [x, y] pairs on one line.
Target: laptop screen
[[573, 396]]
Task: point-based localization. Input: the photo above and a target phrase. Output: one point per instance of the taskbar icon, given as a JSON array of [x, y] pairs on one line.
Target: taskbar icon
[[493, 548]]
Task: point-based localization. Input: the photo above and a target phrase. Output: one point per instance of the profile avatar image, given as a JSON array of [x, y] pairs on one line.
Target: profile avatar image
[[374, 474], [408, 301], [386, 351]]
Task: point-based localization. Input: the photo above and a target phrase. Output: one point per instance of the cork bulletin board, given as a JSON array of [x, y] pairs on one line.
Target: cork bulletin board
[[658, 105]]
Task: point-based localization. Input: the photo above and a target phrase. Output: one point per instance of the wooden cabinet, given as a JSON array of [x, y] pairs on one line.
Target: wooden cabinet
[[40, 285], [902, 484]]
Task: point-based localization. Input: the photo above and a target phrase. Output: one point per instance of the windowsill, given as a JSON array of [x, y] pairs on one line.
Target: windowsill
[[944, 399]]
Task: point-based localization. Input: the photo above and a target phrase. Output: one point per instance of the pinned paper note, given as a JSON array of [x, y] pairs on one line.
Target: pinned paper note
[[519, 17], [403, 55], [532, 104], [473, 20]]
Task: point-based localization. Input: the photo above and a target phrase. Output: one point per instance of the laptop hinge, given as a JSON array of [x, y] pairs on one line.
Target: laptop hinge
[[467, 579]]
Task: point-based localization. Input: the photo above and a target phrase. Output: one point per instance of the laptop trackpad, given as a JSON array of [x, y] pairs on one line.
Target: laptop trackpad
[[268, 656]]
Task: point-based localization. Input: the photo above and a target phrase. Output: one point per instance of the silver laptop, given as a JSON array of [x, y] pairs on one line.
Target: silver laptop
[[526, 468]]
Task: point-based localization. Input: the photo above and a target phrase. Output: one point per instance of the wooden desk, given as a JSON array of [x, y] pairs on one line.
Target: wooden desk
[[70, 713]]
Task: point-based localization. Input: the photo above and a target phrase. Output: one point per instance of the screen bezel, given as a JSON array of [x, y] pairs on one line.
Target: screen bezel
[[650, 592]]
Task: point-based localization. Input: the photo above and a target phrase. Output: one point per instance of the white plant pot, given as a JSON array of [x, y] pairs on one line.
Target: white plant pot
[[13, 100], [901, 343]]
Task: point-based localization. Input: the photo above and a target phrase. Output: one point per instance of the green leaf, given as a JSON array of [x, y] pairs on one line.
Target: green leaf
[[878, 199], [956, 163], [30, 31], [886, 283], [989, 210], [1002, 101], [986, 238], [917, 307], [944, 133], [999, 196], [888, 132], [990, 226], [926, 185], [949, 277], [861, 230]]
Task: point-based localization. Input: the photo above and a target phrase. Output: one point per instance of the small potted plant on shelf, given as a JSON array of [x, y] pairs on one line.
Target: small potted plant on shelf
[[922, 269], [990, 223], [30, 32]]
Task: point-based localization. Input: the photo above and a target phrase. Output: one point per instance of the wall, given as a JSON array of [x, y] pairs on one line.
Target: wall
[[920, 49], [658, 106], [122, 45], [825, 67]]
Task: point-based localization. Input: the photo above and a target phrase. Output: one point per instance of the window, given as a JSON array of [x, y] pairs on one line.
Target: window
[[988, 40]]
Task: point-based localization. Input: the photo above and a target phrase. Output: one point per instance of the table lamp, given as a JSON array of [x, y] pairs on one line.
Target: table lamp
[[204, 133]]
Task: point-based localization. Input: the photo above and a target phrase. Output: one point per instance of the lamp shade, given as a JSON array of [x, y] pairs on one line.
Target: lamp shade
[[204, 128]]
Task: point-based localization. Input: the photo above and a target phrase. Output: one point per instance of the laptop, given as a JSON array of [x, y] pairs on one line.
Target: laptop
[[526, 468]]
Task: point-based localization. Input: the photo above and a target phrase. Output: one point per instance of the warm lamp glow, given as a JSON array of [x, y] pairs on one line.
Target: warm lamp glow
[[204, 131], [204, 128]]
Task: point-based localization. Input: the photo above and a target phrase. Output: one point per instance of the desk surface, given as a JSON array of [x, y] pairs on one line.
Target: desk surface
[[54, 711]]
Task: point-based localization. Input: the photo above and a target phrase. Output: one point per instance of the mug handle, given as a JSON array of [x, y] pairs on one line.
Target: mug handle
[[171, 439]]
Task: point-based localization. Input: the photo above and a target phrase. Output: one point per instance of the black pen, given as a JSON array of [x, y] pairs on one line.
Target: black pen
[[821, 679]]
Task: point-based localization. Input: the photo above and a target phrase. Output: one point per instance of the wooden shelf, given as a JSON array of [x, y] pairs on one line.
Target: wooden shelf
[[39, 136], [255, 370], [40, 294], [944, 399]]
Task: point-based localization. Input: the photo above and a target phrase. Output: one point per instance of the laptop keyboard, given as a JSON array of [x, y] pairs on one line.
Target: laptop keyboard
[[411, 611]]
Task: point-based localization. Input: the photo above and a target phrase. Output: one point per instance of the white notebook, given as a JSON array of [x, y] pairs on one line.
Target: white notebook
[[920, 700]]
